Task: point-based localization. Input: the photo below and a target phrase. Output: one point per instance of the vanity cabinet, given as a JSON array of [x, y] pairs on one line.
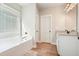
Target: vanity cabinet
[[78, 26], [78, 46], [66, 45]]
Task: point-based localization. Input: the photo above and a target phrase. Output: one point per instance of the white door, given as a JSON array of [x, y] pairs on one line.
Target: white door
[[46, 28]]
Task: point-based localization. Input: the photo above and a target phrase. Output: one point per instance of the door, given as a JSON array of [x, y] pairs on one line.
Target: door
[[46, 28]]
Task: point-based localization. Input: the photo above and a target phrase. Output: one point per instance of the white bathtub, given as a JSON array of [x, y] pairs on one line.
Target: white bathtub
[[16, 46]]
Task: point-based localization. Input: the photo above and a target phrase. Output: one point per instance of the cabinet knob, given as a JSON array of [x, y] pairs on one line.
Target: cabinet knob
[[78, 38]]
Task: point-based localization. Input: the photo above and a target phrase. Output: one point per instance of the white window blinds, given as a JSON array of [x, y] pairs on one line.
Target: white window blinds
[[9, 21]]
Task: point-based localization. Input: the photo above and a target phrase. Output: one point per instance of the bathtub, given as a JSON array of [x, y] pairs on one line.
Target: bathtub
[[16, 47]]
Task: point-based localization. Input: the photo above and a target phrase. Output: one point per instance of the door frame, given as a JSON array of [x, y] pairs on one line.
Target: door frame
[[40, 26], [37, 40]]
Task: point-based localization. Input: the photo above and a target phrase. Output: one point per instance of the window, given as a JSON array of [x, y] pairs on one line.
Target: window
[[9, 21]]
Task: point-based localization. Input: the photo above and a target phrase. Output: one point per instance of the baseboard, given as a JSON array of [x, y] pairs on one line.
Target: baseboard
[[35, 45], [53, 43]]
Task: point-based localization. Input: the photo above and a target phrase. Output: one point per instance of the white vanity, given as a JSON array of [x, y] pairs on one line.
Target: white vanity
[[67, 44]]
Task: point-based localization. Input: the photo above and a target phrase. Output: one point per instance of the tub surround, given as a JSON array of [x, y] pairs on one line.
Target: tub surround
[[16, 47]]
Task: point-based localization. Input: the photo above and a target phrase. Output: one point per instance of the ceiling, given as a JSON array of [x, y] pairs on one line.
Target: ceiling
[[44, 5], [23, 4], [49, 5]]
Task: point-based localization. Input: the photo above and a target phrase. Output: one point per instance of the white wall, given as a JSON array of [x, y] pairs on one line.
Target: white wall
[[28, 19], [37, 37], [58, 16]]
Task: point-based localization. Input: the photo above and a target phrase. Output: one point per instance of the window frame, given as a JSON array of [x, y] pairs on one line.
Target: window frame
[[16, 13]]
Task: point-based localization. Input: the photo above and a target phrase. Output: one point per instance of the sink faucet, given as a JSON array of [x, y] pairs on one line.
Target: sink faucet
[[67, 31]]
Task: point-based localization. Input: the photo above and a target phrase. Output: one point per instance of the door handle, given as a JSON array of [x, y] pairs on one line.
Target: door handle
[[26, 33], [37, 31], [78, 38], [49, 30]]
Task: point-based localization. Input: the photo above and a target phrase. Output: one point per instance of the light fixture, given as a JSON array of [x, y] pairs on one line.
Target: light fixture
[[69, 6]]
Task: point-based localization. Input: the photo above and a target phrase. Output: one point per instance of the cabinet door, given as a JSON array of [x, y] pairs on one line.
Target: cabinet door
[[68, 46], [78, 28], [78, 46]]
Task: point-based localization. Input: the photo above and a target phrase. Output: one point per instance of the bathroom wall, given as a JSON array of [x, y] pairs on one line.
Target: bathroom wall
[[37, 31], [58, 16], [70, 22], [28, 19]]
